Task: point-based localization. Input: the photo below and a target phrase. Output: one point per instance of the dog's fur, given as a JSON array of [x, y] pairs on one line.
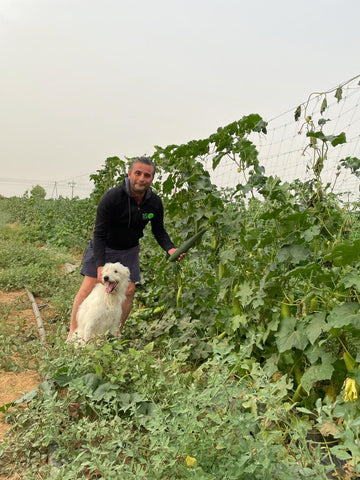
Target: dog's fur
[[101, 311]]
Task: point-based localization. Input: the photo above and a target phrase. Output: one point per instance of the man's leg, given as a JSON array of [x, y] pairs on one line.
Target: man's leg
[[127, 304], [86, 287]]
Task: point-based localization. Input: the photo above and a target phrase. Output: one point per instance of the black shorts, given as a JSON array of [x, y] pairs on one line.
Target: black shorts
[[129, 258]]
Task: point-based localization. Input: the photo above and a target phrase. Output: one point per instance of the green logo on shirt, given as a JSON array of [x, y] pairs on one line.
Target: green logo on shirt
[[147, 216]]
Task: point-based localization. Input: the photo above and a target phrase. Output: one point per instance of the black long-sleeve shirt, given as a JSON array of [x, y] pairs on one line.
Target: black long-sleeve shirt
[[120, 221]]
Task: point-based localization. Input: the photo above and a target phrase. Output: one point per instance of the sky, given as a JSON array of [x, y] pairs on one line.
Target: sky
[[84, 80]]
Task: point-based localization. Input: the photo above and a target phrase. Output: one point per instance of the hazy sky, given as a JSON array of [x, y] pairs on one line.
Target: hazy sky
[[83, 80]]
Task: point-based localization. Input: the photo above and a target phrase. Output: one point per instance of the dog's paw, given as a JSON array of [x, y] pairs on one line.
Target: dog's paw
[[76, 340]]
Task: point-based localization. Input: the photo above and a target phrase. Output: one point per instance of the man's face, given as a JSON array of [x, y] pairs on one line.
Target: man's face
[[140, 177]]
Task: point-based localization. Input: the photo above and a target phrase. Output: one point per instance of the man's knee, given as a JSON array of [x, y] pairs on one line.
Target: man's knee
[[86, 287]]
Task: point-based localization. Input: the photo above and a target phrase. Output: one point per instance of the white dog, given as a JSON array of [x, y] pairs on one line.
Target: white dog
[[101, 310]]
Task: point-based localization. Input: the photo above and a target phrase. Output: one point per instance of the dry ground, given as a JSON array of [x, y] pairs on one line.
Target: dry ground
[[14, 384]]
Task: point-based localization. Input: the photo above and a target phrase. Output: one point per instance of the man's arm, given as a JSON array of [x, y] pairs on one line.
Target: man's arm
[[102, 224]]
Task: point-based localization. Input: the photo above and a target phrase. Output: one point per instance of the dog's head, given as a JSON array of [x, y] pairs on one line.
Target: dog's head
[[113, 274]]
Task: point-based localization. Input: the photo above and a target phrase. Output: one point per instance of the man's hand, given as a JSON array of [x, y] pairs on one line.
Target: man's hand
[[173, 250]]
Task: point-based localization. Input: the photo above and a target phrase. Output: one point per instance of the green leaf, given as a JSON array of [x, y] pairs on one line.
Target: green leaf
[[244, 293], [260, 126], [352, 279], [293, 253], [149, 347], [319, 135], [168, 184], [127, 400], [291, 334], [315, 353], [297, 113], [216, 160], [344, 315], [338, 139], [304, 271], [62, 380], [98, 369], [146, 408], [333, 139], [86, 383], [105, 391], [6, 407], [304, 410], [227, 256], [323, 121], [311, 233], [316, 373], [353, 163], [45, 386], [341, 452], [315, 325], [238, 321], [344, 253]]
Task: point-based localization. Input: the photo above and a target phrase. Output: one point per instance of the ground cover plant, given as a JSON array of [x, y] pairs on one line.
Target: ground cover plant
[[239, 362]]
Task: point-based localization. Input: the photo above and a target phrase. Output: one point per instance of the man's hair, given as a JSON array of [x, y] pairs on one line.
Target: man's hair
[[145, 160]]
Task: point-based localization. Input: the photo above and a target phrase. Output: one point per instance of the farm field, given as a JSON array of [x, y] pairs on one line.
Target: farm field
[[240, 362]]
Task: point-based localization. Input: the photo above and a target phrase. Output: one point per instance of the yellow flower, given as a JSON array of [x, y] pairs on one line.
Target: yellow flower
[[190, 461], [350, 394]]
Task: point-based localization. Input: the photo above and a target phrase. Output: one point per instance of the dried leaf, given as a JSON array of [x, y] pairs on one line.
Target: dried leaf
[[323, 106], [338, 94], [327, 429]]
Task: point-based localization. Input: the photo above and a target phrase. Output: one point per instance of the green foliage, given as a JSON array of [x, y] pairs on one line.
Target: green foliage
[[126, 412], [353, 163], [41, 270], [295, 247], [61, 223], [37, 192], [231, 356], [110, 175], [23, 264]]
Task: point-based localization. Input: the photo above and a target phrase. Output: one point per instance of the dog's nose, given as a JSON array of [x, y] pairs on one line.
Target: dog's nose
[[106, 278]]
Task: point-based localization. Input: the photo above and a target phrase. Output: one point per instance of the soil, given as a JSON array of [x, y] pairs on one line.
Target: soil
[[15, 384]]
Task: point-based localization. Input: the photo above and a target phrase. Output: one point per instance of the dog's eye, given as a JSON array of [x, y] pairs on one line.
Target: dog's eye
[[115, 271]]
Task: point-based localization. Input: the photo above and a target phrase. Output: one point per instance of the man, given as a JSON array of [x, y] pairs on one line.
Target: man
[[122, 214]]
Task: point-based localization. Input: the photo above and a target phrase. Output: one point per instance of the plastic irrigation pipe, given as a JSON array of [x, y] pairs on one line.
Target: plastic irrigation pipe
[[37, 316]]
